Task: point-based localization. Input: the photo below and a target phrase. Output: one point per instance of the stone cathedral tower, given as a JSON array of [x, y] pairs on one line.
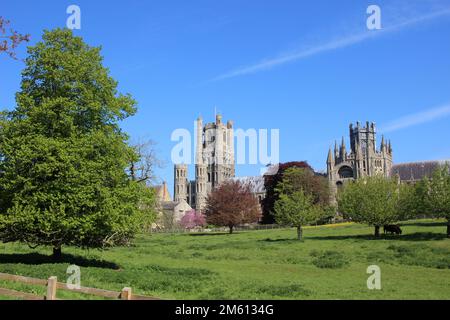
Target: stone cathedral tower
[[214, 163], [364, 159]]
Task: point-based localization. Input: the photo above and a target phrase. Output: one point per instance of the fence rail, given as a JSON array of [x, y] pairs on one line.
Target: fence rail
[[53, 285]]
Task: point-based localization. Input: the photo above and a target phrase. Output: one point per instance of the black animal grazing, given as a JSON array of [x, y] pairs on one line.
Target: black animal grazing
[[392, 228]]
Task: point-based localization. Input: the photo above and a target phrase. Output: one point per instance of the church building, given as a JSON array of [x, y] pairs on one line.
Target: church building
[[214, 163]]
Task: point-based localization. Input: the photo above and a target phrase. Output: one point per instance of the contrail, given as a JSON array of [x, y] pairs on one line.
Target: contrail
[[332, 45], [417, 118]]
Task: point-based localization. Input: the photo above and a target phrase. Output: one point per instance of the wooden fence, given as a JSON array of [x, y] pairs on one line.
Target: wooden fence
[[53, 285]]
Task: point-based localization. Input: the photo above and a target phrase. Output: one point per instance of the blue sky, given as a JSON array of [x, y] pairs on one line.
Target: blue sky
[[307, 68]]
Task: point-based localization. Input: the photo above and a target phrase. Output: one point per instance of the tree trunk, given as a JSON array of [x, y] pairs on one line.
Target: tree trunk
[[299, 233], [231, 229], [448, 228], [57, 253], [377, 231]]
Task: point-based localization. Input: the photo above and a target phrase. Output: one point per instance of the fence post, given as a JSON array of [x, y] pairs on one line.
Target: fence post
[[51, 288], [126, 294]]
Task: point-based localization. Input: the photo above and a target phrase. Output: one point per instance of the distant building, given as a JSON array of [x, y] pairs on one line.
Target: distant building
[[169, 212], [256, 185], [172, 211], [214, 163], [413, 172], [364, 158], [162, 192]]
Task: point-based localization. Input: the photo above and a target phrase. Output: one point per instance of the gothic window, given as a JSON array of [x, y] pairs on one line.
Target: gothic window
[[364, 146], [345, 172]]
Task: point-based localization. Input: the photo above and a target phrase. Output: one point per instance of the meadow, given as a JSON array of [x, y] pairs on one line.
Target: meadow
[[330, 263]]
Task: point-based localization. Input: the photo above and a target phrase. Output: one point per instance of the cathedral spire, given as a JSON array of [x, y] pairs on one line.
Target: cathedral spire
[[336, 152], [330, 157], [383, 145], [343, 152]]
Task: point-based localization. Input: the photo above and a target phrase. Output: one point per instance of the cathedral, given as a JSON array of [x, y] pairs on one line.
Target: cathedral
[[214, 163], [364, 158]]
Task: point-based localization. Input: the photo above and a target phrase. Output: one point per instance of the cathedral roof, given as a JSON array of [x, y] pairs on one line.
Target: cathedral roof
[[256, 183], [168, 205], [414, 171]]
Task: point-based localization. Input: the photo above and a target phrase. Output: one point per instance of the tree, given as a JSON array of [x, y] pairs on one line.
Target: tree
[[297, 209], [270, 184], [10, 39], [437, 194], [295, 179], [302, 198], [193, 219], [232, 203], [371, 200], [409, 204], [142, 162], [63, 156]]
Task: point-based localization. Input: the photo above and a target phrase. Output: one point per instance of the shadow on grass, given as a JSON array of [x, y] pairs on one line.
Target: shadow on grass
[[38, 258], [419, 236], [282, 240], [425, 224]]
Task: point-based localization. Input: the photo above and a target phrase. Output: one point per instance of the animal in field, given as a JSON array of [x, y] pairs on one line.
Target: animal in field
[[392, 229]]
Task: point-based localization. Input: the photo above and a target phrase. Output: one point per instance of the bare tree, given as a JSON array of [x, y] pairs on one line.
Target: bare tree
[[144, 162], [10, 39]]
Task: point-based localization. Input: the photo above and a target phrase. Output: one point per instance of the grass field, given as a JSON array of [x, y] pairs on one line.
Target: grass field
[[330, 263]]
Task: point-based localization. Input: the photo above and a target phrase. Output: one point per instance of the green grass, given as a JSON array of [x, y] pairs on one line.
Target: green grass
[[330, 263]]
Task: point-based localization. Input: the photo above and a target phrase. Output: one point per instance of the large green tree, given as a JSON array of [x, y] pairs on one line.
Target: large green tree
[[372, 200], [63, 156]]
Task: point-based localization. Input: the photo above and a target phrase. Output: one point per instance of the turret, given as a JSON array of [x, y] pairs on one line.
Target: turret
[[343, 151], [180, 187], [218, 119], [199, 149], [336, 151], [330, 161]]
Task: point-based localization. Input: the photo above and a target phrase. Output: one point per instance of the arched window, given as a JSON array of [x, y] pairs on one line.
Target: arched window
[[345, 172]]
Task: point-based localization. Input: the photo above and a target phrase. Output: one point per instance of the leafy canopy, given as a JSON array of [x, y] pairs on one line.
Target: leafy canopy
[[232, 203], [297, 209], [372, 200], [437, 192], [63, 155]]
